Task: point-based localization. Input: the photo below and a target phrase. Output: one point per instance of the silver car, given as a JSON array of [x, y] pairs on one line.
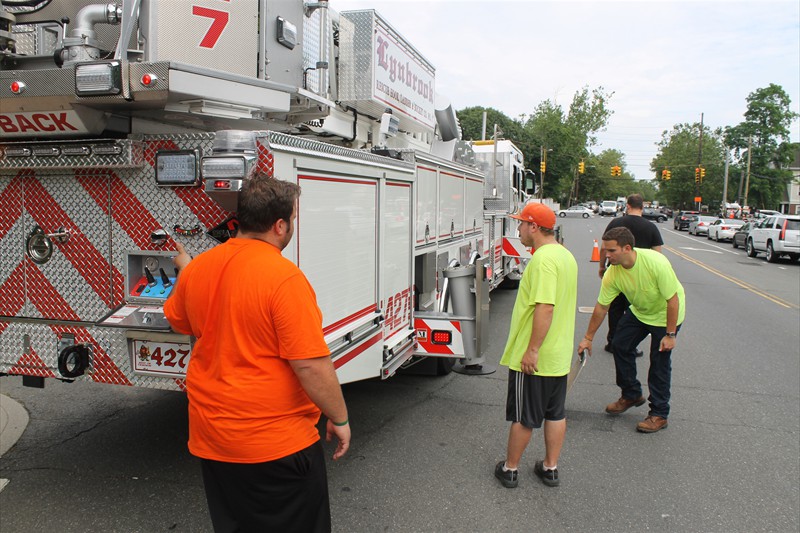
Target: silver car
[[576, 211], [698, 225]]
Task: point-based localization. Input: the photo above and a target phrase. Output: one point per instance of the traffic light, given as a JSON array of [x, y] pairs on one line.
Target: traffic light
[[616, 170], [702, 174], [697, 175], [669, 175], [581, 167], [664, 174], [542, 166]]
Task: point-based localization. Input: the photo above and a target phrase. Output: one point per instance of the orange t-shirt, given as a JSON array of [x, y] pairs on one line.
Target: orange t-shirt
[[251, 310]]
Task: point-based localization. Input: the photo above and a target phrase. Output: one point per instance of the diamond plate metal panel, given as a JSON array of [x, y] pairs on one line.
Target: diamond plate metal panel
[[31, 349], [12, 288], [75, 284]]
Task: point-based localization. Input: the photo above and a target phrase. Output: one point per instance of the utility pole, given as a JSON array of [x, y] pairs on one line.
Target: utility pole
[[699, 163], [725, 184], [747, 183]]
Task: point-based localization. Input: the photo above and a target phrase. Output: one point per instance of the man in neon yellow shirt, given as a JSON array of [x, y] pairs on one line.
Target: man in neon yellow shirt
[[538, 352], [657, 307]]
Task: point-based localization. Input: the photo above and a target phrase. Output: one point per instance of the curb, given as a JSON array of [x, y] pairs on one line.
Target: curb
[[13, 421]]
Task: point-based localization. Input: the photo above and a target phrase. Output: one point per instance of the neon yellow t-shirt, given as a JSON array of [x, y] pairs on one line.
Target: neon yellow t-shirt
[[647, 285], [551, 277]]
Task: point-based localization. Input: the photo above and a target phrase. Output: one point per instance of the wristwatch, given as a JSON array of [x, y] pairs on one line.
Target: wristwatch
[[671, 334]]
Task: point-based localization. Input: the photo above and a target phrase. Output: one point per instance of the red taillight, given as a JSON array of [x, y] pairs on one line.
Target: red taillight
[[439, 336], [783, 230], [222, 184]]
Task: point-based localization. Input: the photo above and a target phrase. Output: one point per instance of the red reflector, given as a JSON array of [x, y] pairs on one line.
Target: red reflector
[[222, 184], [17, 87], [146, 79], [441, 337]]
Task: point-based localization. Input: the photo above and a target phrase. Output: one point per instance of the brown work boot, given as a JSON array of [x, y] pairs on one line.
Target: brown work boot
[[651, 424], [623, 404]]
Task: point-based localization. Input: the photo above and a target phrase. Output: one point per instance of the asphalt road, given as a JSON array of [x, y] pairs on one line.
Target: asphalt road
[[107, 458]]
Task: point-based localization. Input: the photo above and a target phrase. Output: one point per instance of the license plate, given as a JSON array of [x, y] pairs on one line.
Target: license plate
[[160, 358]]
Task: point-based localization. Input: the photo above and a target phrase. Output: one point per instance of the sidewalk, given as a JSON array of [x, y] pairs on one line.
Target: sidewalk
[[13, 421]]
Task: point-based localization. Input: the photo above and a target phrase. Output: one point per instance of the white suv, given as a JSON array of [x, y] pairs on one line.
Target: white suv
[[608, 207], [776, 235]]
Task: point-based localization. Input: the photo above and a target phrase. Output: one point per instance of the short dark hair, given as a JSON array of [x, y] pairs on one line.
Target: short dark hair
[[636, 201], [622, 235], [263, 201]]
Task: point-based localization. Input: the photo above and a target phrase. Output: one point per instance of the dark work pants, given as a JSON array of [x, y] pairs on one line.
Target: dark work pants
[[286, 495], [615, 311], [630, 332]]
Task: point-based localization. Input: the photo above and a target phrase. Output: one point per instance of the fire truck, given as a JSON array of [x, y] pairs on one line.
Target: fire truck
[[128, 127]]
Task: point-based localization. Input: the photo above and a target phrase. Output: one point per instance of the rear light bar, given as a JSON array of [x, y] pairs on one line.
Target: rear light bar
[[783, 230]]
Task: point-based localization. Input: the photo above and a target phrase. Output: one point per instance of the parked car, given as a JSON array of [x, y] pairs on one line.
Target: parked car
[[666, 210], [608, 208], [682, 219], [699, 224], [740, 235], [777, 235], [653, 214], [575, 211], [724, 228]]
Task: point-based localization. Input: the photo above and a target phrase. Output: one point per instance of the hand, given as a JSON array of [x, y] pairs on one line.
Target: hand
[[530, 362], [585, 344], [342, 433], [182, 259], [667, 344]]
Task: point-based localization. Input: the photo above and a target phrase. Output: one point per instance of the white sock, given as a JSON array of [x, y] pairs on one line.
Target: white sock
[[506, 469], [549, 467]]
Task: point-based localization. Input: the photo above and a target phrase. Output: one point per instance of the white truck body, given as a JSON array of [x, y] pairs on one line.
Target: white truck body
[[105, 165]]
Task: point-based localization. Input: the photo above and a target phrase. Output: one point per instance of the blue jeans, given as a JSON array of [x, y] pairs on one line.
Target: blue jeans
[[630, 332]]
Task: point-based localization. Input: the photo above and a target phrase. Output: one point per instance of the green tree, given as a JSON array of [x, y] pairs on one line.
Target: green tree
[[679, 150], [766, 130]]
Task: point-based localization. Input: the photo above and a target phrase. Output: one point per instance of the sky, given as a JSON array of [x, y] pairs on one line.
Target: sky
[[665, 61]]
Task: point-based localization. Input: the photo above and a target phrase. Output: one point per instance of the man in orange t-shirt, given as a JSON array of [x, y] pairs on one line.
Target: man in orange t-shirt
[[260, 372]]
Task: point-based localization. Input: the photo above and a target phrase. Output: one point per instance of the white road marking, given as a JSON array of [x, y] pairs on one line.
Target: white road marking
[[699, 249], [691, 238], [3, 483]]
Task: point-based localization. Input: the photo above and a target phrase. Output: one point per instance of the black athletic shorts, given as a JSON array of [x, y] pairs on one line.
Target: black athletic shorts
[[287, 495], [532, 399]]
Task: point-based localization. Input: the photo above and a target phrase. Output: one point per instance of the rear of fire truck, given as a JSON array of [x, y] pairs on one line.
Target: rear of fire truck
[[129, 126]]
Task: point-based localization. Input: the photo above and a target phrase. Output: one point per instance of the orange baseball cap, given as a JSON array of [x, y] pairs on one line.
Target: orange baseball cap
[[539, 213]]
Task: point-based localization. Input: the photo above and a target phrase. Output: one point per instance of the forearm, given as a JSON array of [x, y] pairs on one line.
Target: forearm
[[673, 305], [598, 315], [318, 378], [542, 318]]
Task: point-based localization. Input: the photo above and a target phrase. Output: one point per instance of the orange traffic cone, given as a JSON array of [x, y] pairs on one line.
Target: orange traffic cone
[[595, 253]]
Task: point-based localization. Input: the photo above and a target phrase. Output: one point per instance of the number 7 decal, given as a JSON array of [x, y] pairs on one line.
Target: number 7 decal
[[220, 20]]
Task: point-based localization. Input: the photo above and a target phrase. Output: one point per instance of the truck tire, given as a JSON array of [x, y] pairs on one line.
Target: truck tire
[[751, 252], [772, 257]]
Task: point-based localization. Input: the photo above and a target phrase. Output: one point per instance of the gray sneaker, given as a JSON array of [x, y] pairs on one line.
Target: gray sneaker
[[548, 477], [507, 477]]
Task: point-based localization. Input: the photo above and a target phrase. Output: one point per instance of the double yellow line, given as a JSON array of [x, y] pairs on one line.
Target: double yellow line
[[733, 280]]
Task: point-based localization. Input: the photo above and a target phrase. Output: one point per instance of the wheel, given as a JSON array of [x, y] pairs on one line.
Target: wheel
[[661, 219], [716, 236], [586, 215], [751, 252], [733, 242], [562, 215], [708, 235], [771, 255]]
